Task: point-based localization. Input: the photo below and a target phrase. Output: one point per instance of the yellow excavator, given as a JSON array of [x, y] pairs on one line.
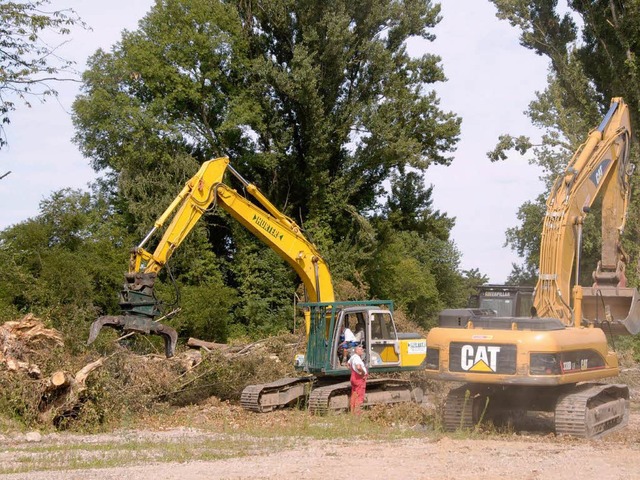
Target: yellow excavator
[[551, 360], [322, 377]]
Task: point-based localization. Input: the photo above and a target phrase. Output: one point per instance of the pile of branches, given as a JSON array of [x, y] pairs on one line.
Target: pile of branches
[[23, 341], [42, 385], [27, 352]]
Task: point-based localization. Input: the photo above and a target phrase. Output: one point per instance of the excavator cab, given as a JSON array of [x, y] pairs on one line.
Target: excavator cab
[[375, 331], [505, 300], [385, 348]]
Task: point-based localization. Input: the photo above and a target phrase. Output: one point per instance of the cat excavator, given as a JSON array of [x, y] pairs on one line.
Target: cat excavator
[[323, 381], [551, 361]]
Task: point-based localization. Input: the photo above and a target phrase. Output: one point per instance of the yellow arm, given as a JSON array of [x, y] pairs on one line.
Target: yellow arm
[[599, 166], [275, 229]]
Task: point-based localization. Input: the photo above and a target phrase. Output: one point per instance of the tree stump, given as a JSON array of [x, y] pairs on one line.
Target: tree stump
[[61, 397]]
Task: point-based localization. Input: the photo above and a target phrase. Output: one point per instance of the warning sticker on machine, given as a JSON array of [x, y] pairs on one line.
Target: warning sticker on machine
[[417, 347]]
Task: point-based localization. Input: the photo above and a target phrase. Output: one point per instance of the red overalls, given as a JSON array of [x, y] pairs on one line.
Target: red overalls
[[358, 386]]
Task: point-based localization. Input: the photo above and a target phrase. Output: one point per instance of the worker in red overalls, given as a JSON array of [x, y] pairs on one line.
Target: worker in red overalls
[[358, 380]]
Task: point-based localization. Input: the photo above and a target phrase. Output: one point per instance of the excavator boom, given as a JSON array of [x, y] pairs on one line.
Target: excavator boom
[[600, 168], [204, 190]]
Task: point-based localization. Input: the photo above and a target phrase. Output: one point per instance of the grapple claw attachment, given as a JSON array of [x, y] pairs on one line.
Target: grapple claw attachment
[[169, 335], [136, 324], [106, 321]]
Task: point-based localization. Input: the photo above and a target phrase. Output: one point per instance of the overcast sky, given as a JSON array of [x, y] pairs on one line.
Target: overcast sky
[[491, 81]]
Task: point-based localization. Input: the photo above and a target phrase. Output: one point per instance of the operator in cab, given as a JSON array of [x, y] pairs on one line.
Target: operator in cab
[[347, 341]]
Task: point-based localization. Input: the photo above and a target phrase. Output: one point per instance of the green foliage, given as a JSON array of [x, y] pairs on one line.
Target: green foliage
[[165, 89], [328, 77], [225, 376], [124, 389], [418, 274], [19, 398], [525, 239], [592, 48], [65, 265], [628, 348], [632, 229], [410, 207], [415, 263], [265, 286], [466, 289], [323, 93], [206, 311], [506, 142]]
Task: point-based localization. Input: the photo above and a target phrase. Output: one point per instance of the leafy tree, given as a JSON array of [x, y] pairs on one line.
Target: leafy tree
[[410, 207], [415, 263], [285, 88], [591, 61], [29, 65], [169, 89], [206, 311], [316, 102], [65, 264], [343, 103], [472, 280], [265, 287], [402, 271]]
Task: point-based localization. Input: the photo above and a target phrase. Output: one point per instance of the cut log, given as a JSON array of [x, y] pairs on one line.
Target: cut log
[[23, 339], [60, 379], [196, 343], [190, 359], [61, 397], [82, 374]]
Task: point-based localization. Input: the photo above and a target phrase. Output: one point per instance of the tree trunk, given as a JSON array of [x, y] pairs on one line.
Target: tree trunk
[[61, 397], [196, 343]]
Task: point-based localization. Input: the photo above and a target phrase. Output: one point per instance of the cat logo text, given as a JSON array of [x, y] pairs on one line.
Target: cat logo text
[[479, 358]]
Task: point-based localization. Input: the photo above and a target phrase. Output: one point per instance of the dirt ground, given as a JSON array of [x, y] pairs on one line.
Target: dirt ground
[[215, 441], [522, 457], [527, 455]]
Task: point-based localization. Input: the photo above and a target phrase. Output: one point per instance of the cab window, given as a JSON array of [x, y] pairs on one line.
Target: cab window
[[382, 327]]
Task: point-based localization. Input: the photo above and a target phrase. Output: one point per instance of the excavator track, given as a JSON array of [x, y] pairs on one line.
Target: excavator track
[[592, 411], [280, 393], [335, 397], [458, 410], [330, 397]]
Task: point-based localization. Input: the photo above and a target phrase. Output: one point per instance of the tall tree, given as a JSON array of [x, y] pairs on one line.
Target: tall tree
[[343, 103], [415, 263], [317, 102], [591, 61]]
